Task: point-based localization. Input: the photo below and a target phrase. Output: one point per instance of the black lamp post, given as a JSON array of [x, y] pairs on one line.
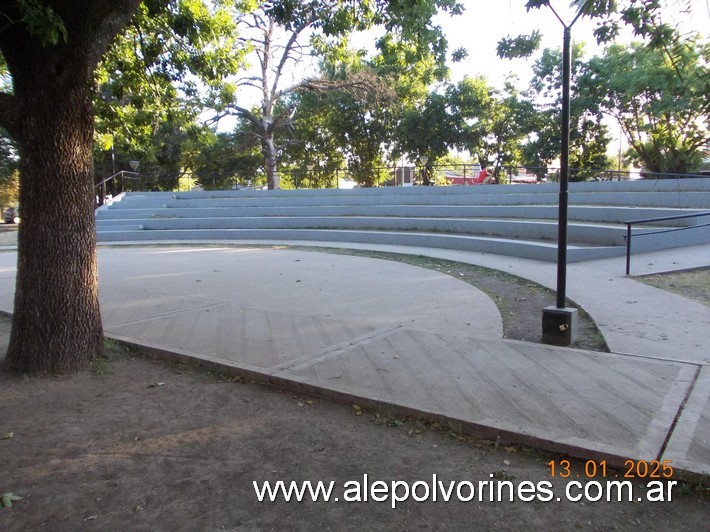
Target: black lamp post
[[559, 323]]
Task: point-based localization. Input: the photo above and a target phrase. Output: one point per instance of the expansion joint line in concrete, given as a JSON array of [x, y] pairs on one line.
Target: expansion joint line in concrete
[[337, 350], [661, 359], [166, 314], [679, 412]]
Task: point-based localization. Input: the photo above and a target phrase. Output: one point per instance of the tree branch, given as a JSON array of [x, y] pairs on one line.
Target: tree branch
[[357, 84], [248, 115], [286, 54]]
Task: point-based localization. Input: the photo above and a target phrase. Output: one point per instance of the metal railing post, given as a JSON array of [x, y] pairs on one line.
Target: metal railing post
[[660, 219], [628, 248]]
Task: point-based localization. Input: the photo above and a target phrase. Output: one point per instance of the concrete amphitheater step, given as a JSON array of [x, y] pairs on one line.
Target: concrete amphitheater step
[[588, 234], [546, 251], [509, 220], [600, 214], [686, 200]]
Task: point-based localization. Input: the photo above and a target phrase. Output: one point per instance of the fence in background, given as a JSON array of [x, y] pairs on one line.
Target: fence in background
[[464, 174]]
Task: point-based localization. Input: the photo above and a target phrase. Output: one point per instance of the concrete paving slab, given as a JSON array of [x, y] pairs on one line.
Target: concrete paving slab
[[265, 308], [287, 284], [260, 338], [689, 445], [611, 405], [379, 331], [634, 318]]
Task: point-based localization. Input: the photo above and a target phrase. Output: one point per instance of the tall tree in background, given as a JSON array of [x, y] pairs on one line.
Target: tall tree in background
[[227, 160], [316, 151], [156, 79], [645, 19], [284, 32], [512, 119], [472, 101], [52, 49], [588, 135], [9, 185], [276, 35], [428, 131], [661, 104]]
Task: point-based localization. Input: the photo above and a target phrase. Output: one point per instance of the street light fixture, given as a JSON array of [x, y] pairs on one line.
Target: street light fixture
[[559, 323]]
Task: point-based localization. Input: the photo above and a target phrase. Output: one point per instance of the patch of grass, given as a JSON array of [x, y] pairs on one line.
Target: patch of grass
[[100, 366], [693, 284], [113, 351], [204, 371]]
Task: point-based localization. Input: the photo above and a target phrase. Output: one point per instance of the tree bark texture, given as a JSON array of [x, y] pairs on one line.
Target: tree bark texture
[[268, 148], [56, 324]]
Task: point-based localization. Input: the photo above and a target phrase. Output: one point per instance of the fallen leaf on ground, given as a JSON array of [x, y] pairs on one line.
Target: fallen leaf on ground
[[8, 498]]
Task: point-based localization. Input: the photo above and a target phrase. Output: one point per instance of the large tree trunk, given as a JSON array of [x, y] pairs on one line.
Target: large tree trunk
[[268, 148], [56, 322], [56, 326]]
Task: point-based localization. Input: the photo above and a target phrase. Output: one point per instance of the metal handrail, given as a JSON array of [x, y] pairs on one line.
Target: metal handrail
[[122, 173], [629, 223], [100, 187]]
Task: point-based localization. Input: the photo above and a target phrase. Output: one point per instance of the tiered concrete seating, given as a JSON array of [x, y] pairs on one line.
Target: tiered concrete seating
[[516, 220]]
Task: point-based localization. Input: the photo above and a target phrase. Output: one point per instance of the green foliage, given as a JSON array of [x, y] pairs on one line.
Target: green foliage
[[471, 105], [228, 159], [521, 46], [318, 148], [9, 175], [9, 190], [511, 121], [404, 21], [412, 53], [589, 136], [657, 92], [154, 82], [43, 22], [411, 22], [642, 16], [8, 498], [490, 124], [8, 156], [428, 131], [661, 105], [347, 131]]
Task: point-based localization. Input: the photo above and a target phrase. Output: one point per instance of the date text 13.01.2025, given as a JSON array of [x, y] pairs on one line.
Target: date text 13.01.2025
[[653, 469]]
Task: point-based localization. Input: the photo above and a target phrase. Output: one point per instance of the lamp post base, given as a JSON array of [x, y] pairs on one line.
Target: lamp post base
[[559, 325]]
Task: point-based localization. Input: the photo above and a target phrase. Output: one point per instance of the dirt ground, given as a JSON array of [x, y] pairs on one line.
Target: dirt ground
[[136, 444], [694, 284]]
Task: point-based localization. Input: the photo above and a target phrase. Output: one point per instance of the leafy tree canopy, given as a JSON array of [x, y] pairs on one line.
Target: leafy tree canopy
[[153, 83], [662, 104]]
